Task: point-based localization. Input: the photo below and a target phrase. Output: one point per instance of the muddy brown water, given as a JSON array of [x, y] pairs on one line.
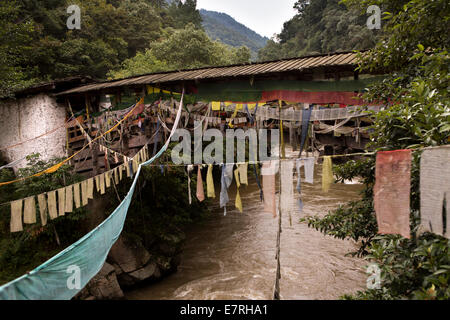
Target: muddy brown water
[[233, 257]]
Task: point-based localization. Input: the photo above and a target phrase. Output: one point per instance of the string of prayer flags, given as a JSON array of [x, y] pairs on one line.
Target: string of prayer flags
[[392, 192], [435, 191], [16, 216], [42, 201], [211, 193], [327, 174], [29, 212], [200, 190]]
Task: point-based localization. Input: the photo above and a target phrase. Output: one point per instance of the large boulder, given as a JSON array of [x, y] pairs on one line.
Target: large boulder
[[104, 286], [128, 257]]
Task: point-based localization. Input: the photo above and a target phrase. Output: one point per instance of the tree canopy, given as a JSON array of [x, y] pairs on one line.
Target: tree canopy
[[320, 26], [37, 45]]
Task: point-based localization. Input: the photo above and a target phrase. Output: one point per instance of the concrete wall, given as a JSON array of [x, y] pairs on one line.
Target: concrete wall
[[26, 118]]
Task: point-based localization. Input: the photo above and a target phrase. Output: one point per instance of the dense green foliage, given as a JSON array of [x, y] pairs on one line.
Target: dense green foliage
[[23, 251], [222, 27], [320, 26], [122, 38], [14, 37], [182, 49], [414, 49]]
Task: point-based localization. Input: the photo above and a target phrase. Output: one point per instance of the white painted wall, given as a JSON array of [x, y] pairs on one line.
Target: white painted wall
[[26, 118]]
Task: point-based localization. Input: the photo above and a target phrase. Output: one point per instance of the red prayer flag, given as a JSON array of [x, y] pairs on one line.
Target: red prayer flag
[[392, 192]]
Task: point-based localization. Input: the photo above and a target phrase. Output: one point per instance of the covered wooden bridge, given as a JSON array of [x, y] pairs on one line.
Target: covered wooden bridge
[[246, 95]]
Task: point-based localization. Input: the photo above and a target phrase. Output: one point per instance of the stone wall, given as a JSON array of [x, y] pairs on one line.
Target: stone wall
[[26, 118]]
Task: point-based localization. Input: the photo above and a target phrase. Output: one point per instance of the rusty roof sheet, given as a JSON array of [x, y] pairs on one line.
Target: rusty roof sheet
[[286, 65]]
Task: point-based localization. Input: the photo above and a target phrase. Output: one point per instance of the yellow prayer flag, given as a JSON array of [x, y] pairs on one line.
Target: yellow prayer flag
[[327, 174], [215, 105], [210, 183], [238, 202]]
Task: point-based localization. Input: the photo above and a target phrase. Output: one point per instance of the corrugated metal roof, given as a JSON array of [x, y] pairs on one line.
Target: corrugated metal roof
[[260, 68]]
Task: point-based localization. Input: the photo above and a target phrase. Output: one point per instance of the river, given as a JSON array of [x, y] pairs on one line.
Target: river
[[233, 257]]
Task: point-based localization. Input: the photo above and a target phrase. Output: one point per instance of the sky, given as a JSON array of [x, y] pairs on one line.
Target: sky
[[266, 17]]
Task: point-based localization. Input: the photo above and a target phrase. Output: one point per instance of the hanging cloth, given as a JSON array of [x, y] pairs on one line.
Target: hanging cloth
[[268, 171], [215, 106], [121, 168], [327, 174], [107, 175], [76, 195], [90, 188], [243, 168], [84, 193], [52, 209], [29, 211], [102, 183], [189, 170], [306, 117], [61, 202], [16, 216], [200, 190], [435, 191], [127, 166], [227, 178], [299, 164], [97, 183], [283, 149], [392, 192], [69, 200], [258, 182], [238, 202], [42, 201], [287, 188], [211, 193], [116, 175]]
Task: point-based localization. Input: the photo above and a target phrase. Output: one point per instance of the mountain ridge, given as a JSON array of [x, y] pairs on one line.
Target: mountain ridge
[[221, 26]]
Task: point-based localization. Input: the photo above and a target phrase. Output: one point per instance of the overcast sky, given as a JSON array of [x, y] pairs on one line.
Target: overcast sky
[[266, 17]]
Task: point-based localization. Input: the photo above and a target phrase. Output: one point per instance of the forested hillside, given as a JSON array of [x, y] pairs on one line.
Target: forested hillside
[[117, 38], [220, 26], [321, 26]]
